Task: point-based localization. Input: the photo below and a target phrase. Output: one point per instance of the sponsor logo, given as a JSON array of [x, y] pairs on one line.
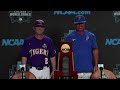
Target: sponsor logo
[[112, 41], [72, 12], [116, 15], [20, 16], [12, 42]]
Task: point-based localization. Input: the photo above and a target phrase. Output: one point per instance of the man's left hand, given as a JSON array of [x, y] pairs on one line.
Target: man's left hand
[[95, 68], [52, 75]]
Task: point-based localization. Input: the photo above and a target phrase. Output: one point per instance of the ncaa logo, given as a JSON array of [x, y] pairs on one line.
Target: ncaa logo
[[65, 48]]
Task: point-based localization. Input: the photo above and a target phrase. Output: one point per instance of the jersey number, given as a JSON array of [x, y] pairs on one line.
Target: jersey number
[[46, 60]]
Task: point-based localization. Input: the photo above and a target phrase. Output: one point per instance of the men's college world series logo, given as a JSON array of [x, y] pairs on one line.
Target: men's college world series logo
[[20, 16], [116, 15]]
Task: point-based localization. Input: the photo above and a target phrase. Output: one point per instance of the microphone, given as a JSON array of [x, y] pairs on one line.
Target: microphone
[[22, 69], [101, 69]]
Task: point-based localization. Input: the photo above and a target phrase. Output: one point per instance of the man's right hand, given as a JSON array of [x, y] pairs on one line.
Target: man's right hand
[[24, 60]]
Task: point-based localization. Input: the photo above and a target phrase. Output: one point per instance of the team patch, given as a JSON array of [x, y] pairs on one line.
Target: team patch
[[44, 46], [87, 37]]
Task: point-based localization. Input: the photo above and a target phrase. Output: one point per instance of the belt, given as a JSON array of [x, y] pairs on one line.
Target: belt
[[84, 73], [39, 68]]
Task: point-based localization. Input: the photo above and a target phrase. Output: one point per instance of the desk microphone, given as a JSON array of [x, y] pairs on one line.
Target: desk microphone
[[101, 69], [22, 69]]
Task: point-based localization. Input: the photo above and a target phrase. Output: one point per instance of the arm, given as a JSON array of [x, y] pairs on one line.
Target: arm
[[52, 55], [24, 60], [95, 57], [53, 63], [95, 52], [24, 53], [96, 71]]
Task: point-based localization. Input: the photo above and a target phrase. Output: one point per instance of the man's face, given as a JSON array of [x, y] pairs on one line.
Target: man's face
[[80, 27], [39, 30]]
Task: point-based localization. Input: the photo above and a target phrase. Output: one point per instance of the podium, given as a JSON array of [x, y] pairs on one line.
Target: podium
[[65, 67]]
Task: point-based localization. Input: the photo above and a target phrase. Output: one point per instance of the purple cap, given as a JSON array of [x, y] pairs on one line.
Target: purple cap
[[39, 23]]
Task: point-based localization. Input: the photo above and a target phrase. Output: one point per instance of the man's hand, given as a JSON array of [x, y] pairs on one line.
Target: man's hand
[[24, 60], [95, 75], [53, 62], [95, 68], [52, 74]]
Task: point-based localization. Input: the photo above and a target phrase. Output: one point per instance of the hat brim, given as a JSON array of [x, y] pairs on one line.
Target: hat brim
[[79, 22], [39, 25]]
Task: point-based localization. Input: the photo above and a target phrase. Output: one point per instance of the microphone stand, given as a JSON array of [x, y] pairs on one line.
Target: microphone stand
[[22, 69], [101, 69]]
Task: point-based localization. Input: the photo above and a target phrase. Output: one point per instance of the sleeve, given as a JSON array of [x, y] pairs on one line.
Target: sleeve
[[94, 42], [52, 51], [23, 50]]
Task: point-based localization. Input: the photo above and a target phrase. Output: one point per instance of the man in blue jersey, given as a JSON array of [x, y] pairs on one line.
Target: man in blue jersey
[[85, 49], [39, 51]]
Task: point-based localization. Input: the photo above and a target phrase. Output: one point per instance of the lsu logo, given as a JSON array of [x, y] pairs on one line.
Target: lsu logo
[[12, 42], [44, 45]]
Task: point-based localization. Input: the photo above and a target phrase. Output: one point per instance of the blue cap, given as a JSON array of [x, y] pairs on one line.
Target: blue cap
[[79, 19]]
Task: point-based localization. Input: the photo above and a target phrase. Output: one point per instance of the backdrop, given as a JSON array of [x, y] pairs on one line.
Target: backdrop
[[17, 25]]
